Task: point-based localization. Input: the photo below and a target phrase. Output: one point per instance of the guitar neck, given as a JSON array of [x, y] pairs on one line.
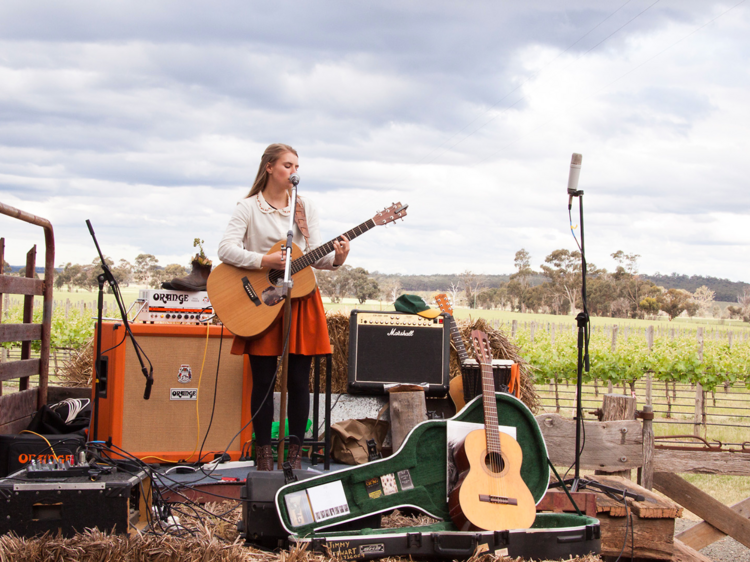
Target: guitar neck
[[490, 409], [325, 249], [458, 341]]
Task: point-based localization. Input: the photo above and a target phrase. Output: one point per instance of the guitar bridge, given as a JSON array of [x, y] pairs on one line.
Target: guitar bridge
[[250, 291], [497, 499]]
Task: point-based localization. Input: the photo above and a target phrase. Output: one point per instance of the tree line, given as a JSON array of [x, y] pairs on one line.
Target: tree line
[[145, 270], [622, 293], [554, 287]]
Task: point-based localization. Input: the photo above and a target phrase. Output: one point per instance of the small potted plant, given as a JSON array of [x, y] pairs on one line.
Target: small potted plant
[[198, 277]]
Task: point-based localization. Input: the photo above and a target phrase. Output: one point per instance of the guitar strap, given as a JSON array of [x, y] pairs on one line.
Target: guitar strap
[[300, 219]]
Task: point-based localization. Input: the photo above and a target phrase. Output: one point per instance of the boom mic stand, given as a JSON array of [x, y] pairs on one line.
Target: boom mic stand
[[286, 291], [583, 321], [107, 276]]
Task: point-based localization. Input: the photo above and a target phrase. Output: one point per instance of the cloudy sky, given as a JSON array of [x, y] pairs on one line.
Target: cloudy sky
[[149, 119]]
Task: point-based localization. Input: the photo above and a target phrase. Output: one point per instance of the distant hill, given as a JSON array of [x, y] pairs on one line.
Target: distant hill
[[725, 289]]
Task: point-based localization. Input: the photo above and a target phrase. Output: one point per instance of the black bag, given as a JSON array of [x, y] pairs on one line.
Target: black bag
[[53, 420]]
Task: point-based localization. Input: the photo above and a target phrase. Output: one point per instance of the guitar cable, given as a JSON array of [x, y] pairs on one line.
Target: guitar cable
[[216, 386]]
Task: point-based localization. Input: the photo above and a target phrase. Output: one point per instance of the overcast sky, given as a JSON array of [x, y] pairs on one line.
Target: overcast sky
[[149, 119]]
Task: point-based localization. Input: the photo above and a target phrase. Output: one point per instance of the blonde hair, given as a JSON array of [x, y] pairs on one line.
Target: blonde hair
[[270, 155]]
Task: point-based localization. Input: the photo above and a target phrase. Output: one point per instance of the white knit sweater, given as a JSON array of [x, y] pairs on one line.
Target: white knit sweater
[[255, 226]]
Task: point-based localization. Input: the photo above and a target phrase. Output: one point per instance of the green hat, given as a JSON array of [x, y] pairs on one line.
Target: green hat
[[415, 305]]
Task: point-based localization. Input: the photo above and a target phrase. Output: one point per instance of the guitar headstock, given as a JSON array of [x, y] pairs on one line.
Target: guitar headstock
[[444, 303], [390, 214], [482, 349]]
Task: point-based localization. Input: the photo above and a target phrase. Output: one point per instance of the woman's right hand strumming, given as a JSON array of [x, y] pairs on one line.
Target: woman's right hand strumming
[[274, 260]]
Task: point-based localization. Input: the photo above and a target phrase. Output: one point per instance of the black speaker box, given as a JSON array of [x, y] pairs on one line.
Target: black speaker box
[[32, 507], [389, 348]]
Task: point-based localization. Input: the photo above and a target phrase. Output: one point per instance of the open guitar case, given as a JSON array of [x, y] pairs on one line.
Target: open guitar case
[[415, 477]]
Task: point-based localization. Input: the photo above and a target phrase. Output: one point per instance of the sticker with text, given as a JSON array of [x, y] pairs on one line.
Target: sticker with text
[[404, 479]]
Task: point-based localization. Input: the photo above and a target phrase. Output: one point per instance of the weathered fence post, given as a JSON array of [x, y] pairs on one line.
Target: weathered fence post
[[700, 397], [618, 407], [649, 374], [533, 328], [646, 472], [610, 387], [514, 328]]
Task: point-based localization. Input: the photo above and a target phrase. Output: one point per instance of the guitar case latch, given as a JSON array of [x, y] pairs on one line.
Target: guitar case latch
[[414, 540], [502, 539]]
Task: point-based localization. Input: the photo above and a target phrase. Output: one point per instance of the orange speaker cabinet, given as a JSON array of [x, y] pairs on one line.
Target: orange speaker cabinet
[[172, 424]]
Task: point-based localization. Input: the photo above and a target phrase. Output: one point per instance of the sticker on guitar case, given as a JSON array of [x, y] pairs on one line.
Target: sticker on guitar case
[[405, 479], [374, 488], [389, 484], [298, 507], [328, 501]]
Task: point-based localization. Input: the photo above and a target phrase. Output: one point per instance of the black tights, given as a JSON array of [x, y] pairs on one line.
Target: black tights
[[263, 368]]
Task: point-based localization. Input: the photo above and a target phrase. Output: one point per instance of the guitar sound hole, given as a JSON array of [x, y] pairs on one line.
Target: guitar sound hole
[[494, 462]]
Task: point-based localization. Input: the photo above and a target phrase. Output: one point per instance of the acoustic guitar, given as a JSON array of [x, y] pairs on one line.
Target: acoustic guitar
[[456, 389], [247, 301], [491, 495]]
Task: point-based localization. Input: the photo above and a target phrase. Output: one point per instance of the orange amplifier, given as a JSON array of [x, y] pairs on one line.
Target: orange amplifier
[[172, 424], [171, 307]]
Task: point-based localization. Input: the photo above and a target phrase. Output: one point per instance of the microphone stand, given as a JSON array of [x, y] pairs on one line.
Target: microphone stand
[[286, 292], [107, 276], [583, 321]]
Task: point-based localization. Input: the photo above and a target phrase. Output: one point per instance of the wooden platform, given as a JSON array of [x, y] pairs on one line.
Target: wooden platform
[[651, 520]]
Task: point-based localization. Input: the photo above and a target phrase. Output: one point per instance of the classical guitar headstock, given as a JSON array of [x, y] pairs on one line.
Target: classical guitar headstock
[[482, 349], [394, 212], [444, 303]]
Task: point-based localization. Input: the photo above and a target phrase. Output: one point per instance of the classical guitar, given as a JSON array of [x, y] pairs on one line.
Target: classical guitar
[[456, 389], [491, 494], [248, 301]]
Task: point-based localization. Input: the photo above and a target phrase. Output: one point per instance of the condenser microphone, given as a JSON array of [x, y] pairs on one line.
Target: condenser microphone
[[294, 178], [575, 173]]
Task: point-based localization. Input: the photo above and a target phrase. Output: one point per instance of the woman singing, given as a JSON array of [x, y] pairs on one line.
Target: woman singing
[[259, 221]]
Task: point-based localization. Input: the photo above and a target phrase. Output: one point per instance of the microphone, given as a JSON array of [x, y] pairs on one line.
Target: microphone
[[575, 172], [294, 178]]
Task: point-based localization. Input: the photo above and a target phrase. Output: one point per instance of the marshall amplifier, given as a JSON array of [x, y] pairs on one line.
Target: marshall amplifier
[[390, 348]]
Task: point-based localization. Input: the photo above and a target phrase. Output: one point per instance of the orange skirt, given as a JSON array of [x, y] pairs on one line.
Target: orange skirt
[[308, 335]]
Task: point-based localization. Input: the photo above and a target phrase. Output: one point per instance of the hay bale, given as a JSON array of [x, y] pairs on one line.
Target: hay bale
[[206, 533], [78, 370]]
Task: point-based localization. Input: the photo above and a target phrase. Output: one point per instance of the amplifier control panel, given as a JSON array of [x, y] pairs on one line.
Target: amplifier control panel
[[172, 307], [397, 319]]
